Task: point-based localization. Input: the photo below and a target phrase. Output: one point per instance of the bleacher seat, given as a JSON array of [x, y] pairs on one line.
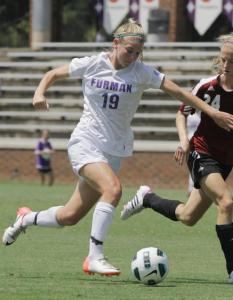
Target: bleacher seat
[[154, 122]]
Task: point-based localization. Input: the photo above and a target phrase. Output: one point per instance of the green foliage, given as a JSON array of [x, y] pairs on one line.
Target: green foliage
[[78, 21], [14, 23], [17, 35], [46, 263], [73, 21]]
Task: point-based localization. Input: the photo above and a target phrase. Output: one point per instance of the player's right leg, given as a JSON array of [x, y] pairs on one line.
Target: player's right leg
[[193, 210], [215, 185], [102, 177], [145, 198], [135, 205], [188, 213], [99, 266], [230, 279]]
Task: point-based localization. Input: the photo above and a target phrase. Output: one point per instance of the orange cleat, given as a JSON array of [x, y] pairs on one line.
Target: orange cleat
[[12, 232], [99, 266]]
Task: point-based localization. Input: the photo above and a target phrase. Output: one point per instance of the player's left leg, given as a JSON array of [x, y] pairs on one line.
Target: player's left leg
[[42, 177], [83, 198], [50, 177]]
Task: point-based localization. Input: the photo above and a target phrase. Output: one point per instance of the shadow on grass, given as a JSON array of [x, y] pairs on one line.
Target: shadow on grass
[[97, 279], [198, 281], [116, 280], [105, 280]]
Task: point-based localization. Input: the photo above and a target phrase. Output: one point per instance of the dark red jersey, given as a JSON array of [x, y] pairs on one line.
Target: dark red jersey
[[209, 138]]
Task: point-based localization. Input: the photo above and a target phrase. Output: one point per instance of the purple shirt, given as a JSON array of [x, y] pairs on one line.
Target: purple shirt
[[43, 160]]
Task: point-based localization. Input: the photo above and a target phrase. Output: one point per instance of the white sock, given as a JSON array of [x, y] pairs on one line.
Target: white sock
[[46, 218], [102, 219]]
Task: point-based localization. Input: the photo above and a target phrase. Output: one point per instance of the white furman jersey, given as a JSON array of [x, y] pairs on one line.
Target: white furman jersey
[[111, 98]]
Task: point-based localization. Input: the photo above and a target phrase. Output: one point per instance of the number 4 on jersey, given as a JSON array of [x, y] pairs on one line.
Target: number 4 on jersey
[[215, 102]]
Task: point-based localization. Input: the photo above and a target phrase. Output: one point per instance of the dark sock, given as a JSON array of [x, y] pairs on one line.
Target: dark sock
[[225, 235], [165, 207]]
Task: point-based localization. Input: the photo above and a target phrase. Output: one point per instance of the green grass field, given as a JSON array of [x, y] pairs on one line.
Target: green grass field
[[47, 263]]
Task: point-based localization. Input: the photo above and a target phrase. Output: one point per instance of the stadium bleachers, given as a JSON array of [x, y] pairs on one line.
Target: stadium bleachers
[[154, 122]]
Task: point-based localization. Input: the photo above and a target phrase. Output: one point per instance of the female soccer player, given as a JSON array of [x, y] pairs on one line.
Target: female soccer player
[[210, 160], [113, 83]]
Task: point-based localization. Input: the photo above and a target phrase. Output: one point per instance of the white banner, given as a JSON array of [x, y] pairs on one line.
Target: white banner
[[144, 10], [114, 13], [206, 12]]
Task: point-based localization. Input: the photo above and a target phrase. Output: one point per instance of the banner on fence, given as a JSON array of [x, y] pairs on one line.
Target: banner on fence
[[114, 13], [145, 7], [228, 10], [203, 13], [110, 13]]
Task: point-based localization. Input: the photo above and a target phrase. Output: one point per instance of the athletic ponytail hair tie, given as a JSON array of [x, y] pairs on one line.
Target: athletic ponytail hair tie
[[137, 35]]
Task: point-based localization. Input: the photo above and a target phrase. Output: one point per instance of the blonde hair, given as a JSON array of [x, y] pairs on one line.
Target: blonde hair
[[226, 39], [131, 28]]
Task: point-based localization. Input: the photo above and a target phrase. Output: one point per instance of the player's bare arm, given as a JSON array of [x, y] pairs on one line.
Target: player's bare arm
[[182, 149], [39, 100], [223, 119]]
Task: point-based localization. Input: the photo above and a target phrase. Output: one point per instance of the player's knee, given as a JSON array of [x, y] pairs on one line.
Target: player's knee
[[189, 222], [116, 193], [225, 205], [113, 192], [188, 219]]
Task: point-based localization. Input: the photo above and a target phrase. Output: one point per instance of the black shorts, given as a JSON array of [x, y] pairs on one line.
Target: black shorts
[[45, 171], [201, 165]]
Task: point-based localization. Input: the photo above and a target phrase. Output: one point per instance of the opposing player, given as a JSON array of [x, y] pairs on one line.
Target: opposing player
[[113, 83], [210, 161]]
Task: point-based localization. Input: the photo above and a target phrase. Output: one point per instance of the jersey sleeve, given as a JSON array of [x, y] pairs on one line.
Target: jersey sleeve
[[151, 78], [186, 109], [78, 66], [199, 88]]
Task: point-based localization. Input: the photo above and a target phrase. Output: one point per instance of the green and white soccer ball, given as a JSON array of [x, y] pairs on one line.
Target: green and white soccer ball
[[150, 265]]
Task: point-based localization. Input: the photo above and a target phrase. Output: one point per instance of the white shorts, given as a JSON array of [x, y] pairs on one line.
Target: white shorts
[[82, 152]]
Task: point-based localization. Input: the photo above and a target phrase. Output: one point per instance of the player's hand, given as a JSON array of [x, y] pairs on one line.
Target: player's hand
[[224, 120], [180, 153], [40, 103]]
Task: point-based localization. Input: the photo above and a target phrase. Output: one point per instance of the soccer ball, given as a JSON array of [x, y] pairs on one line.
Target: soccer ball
[[150, 265]]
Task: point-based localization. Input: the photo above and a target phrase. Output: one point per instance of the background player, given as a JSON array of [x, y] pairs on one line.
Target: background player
[[43, 153]]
